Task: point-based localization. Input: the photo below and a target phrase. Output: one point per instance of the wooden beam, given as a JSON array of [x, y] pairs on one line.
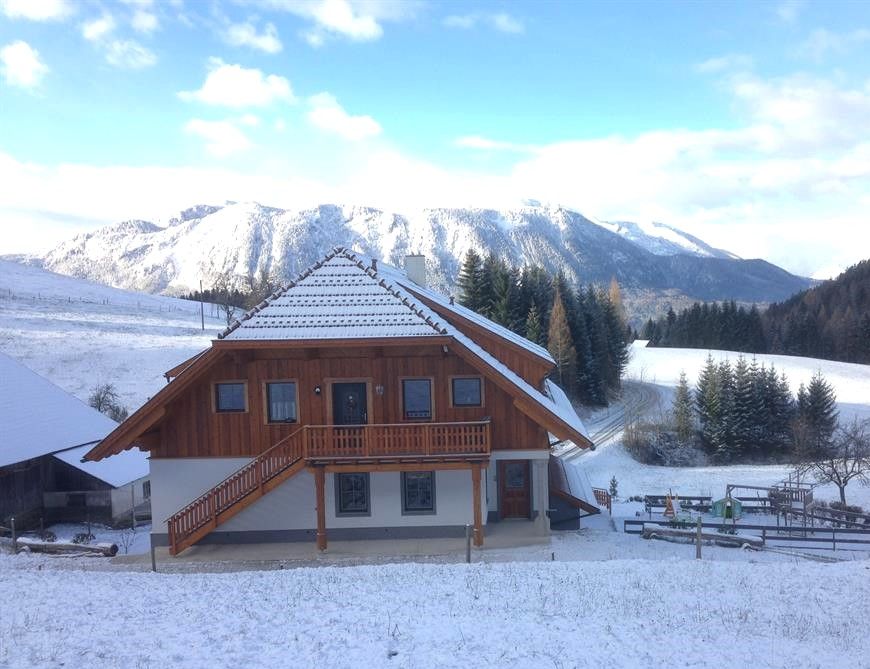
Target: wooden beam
[[418, 466], [320, 494], [478, 514]]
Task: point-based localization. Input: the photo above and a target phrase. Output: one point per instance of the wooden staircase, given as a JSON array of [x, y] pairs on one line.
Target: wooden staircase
[[236, 492]]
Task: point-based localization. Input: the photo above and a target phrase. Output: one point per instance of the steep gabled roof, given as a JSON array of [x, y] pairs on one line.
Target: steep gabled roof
[[338, 298], [38, 418]]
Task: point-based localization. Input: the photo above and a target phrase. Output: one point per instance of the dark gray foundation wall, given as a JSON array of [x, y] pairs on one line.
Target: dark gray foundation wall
[[337, 534]]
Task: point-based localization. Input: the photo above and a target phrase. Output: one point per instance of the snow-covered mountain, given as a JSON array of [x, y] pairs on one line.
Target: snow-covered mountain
[[247, 241], [665, 240]]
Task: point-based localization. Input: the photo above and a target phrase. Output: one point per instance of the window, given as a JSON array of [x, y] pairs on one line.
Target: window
[[281, 402], [146, 490], [467, 392], [229, 397], [417, 399], [418, 492], [352, 494]]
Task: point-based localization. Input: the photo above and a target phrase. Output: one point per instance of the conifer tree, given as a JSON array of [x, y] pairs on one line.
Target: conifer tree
[[708, 400], [534, 331], [469, 280], [561, 346], [683, 415], [817, 414]]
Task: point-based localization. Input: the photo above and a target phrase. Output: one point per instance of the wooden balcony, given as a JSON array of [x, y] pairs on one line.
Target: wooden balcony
[[468, 440]]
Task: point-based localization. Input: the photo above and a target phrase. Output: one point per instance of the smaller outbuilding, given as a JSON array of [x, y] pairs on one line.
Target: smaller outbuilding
[[45, 434], [728, 508]]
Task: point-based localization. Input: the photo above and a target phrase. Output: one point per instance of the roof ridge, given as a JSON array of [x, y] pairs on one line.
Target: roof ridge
[[280, 292]]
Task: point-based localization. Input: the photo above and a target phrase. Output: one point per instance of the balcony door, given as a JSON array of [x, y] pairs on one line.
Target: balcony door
[[349, 404]]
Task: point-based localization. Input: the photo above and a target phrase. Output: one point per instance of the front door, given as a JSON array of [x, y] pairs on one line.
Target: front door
[[514, 488], [349, 404]]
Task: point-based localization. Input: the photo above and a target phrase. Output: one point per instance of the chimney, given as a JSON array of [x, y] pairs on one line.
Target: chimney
[[375, 264], [415, 268]]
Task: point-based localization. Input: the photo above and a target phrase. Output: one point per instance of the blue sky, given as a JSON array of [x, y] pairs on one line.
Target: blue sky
[[744, 123]]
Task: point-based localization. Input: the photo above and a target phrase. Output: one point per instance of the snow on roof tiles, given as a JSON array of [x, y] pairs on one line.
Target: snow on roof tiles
[[39, 419], [339, 298]]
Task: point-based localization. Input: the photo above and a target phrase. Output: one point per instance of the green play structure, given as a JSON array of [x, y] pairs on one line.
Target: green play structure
[[728, 508]]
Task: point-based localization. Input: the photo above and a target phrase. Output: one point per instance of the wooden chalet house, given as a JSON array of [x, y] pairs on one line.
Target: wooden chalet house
[[354, 403]]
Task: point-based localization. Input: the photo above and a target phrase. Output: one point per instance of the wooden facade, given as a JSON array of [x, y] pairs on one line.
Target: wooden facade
[[192, 428]]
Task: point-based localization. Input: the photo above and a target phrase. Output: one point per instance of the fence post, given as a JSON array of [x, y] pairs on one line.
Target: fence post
[[467, 543], [698, 543], [14, 536], [153, 558], [834, 537]]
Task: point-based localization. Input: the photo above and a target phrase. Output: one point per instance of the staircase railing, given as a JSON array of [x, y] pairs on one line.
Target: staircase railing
[[204, 510]]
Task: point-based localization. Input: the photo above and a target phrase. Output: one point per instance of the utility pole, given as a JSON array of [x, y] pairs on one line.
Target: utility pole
[[201, 307]]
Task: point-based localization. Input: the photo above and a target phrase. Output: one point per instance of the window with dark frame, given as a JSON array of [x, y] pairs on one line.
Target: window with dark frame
[[418, 492], [281, 402], [352, 494], [146, 489], [417, 399], [229, 397], [467, 392]]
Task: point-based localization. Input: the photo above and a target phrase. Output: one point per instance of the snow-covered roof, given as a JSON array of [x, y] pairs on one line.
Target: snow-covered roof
[[338, 298], [347, 296], [38, 418]]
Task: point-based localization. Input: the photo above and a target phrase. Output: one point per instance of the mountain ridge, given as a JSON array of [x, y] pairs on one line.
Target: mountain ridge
[[247, 241]]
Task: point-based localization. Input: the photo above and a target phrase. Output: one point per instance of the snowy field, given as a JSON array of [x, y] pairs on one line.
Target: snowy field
[[659, 369], [80, 334], [615, 613]]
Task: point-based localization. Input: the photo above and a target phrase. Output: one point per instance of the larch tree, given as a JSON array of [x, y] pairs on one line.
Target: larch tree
[[560, 344]]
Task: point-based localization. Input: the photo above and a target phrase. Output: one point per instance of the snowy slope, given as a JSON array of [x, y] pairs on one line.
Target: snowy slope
[[248, 241], [79, 334], [664, 240], [662, 366]]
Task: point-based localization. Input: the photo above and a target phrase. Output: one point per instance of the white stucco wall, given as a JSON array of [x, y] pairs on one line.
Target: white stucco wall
[[123, 499], [176, 482]]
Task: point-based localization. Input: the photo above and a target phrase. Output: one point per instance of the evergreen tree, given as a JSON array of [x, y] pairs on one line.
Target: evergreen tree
[[817, 415], [708, 400], [683, 415], [470, 278], [560, 345], [534, 331]]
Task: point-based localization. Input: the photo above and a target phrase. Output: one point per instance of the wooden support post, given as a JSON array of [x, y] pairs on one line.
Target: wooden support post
[[698, 543], [319, 488], [478, 516]]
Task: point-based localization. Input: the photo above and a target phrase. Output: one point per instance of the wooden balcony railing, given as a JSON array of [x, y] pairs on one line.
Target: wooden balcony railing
[[400, 439]]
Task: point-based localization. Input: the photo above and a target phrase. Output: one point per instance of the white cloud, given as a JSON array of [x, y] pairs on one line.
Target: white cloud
[[788, 11], [726, 63], [21, 66], [499, 21], [36, 10], [245, 34], [129, 54], [97, 29], [144, 22], [822, 43], [328, 115], [486, 144], [357, 20], [235, 86], [222, 138]]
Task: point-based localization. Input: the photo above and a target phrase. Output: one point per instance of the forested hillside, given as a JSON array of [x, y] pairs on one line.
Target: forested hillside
[[581, 326], [830, 321]]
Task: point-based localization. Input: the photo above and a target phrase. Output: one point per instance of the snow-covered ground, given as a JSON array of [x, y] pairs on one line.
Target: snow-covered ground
[[614, 613], [80, 334], [652, 374]]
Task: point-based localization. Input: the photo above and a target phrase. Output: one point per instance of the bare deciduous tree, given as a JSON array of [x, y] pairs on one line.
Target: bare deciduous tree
[[104, 398], [847, 459]]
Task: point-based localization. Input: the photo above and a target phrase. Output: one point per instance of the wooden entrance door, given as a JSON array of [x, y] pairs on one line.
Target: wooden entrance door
[[514, 488]]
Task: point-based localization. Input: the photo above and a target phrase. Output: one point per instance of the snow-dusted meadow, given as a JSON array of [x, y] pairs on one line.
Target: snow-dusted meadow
[[659, 369], [617, 613], [79, 334]]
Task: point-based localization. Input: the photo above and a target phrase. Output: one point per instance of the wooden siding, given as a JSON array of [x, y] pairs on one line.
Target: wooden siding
[[192, 429]]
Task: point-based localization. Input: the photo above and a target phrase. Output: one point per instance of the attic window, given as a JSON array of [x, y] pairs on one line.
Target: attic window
[[417, 399], [229, 397], [467, 392]]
